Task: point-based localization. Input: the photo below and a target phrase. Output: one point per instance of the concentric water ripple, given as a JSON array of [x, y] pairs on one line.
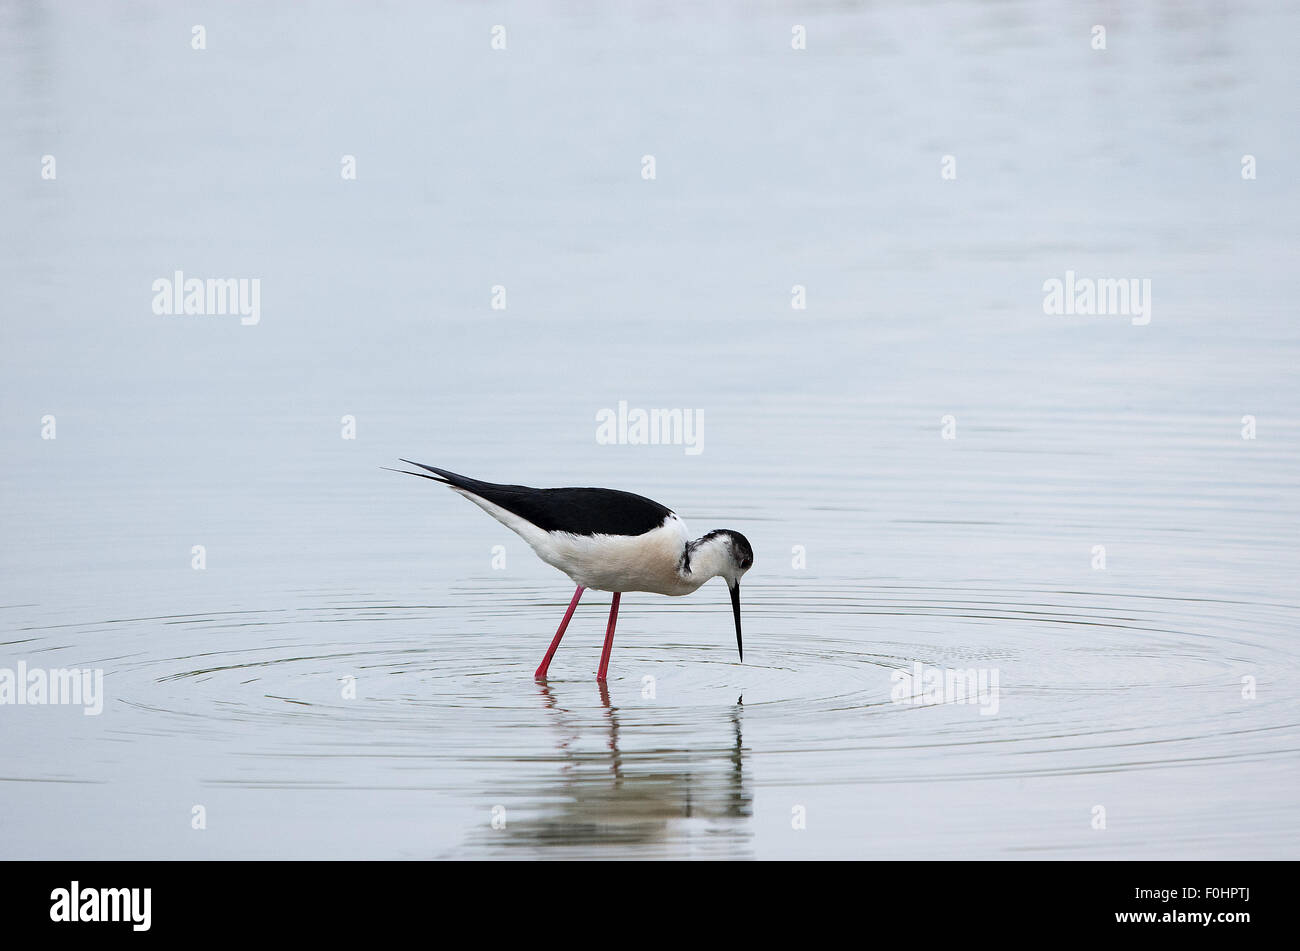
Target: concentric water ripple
[[684, 734]]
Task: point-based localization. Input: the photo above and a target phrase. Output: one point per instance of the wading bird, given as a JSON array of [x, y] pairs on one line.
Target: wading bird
[[607, 540]]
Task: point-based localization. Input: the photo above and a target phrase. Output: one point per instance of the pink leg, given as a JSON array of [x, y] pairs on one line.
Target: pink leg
[[609, 638], [546, 661]]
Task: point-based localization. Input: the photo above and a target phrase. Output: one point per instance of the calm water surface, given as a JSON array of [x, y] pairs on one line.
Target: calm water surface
[[879, 544]]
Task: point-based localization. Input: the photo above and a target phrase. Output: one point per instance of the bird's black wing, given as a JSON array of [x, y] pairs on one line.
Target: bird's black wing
[[578, 511]]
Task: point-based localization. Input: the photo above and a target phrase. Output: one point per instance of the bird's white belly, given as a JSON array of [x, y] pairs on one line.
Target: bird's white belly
[[646, 562]]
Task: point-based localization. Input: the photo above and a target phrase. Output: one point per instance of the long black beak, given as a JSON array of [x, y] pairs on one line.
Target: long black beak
[[735, 609]]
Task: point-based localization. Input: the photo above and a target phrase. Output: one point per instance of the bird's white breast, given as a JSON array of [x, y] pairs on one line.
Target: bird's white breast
[[648, 562]]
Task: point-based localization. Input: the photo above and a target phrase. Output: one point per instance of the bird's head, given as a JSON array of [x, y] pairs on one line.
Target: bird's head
[[725, 554]]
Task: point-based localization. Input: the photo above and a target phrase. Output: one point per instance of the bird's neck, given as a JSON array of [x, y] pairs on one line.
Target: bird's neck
[[702, 559]]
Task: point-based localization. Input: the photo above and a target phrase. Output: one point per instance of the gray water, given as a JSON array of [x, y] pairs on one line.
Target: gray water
[[1160, 688]]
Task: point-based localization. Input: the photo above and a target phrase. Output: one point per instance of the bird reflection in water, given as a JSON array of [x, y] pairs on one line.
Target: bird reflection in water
[[669, 800]]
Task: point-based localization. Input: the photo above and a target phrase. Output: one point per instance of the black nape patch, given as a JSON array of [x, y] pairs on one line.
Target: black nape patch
[[586, 511]]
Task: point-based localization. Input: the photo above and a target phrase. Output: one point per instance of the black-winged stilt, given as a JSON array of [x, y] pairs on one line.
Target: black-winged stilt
[[607, 540]]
